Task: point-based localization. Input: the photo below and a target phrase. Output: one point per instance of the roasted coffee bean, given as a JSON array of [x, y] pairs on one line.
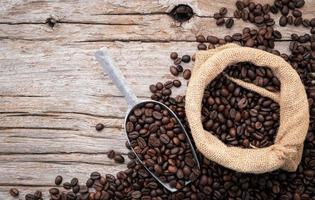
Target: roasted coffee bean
[[223, 11], [67, 185], [202, 47], [58, 180], [220, 21], [213, 39], [177, 83], [38, 194], [119, 158], [89, 183], [74, 182], [283, 21], [186, 74], [54, 191], [229, 23], [186, 58], [76, 189], [14, 192], [95, 175], [99, 127], [173, 55], [29, 197], [200, 38]]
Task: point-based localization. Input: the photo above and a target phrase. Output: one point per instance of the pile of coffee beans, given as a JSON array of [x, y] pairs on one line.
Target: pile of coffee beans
[[239, 117], [235, 115], [161, 144]]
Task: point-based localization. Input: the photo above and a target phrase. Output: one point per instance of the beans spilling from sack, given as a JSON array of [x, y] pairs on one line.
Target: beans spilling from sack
[[235, 115]]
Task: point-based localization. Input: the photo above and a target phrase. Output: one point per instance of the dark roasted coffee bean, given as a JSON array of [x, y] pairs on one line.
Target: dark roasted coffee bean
[[58, 180], [213, 39], [29, 197], [53, 191], [99, 127], [95, 175], [89, 183], [74, 182], [223, 11], [76, 189], [202, 47], [220, 21], [283, 21], [67, 185], [38, 194], [186, 58], [200, 38], [186, 74], [229, 23], [296, 13], [177, 83], [14, 192], [119, 158], [173, 55]]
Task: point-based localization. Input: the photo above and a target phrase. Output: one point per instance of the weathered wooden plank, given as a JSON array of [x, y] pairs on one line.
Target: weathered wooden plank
[[15, 169], [38, 11], [147, 28]]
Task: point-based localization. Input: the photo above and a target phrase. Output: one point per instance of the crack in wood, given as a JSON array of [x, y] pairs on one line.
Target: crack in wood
[[38, 128], [83, 113]]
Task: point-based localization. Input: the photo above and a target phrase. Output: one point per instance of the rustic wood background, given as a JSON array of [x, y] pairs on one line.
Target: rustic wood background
[[52, 91]]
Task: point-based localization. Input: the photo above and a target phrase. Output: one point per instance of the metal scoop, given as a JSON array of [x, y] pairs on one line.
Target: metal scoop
[[133, 102]]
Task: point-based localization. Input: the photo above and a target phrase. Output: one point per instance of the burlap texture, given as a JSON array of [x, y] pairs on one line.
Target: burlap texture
[[286, 153]]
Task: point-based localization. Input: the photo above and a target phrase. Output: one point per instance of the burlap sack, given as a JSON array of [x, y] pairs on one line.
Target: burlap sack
[[286, 153]]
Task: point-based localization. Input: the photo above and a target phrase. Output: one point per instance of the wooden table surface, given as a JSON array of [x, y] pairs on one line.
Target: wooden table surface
[[53, 92]]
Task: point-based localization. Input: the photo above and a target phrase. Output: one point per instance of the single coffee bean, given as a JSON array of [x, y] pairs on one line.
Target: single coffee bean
[[54, 191], [99, 127], [38, 194], [119, 158], [89, 183], [173, 71], [223, 11], [186, 74], [213, 39], [220, 21], [177, 61], [296, 13], [14, 192], [186, 58], [200, 39], [173, 55], [229, 23], [74, 182], [58, 180], [29, 197], [283, 21], [67, 185], [202, 47], [95, 175], [177, 83]]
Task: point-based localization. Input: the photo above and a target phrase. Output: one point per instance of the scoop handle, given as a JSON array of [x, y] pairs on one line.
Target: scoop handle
[[117, 77]]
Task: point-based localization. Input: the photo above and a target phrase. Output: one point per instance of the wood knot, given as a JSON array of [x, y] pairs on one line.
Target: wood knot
[[181, 13], [51, 22]]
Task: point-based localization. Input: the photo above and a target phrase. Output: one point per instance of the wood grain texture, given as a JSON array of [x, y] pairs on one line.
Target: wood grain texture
[[53, 92]]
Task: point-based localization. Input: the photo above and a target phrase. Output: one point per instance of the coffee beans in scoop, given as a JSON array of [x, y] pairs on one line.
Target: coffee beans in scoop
[[160, 143]]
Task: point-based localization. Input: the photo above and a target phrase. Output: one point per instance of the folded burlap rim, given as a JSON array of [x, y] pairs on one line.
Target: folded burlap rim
[[287, 150]]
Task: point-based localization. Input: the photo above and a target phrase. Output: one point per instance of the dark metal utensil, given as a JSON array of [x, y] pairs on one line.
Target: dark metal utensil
[[133, 102]]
